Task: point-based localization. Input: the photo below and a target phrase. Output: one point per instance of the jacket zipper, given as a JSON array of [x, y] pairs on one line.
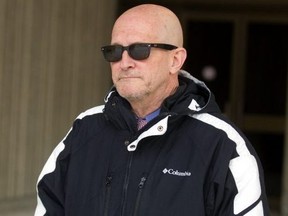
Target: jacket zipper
[[126, 183], [107, 194], [139, 195]]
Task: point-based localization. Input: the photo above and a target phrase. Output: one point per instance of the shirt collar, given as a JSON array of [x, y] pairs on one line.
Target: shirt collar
[[152, 115]]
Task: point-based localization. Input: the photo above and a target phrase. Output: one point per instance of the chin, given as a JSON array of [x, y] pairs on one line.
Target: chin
[[132, 92], [134, 96]]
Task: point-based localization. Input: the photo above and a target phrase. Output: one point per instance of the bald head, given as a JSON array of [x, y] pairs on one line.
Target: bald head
[[149, 23]]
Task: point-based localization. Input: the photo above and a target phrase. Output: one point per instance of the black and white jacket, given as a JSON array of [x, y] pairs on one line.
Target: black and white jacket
[[190, 160]]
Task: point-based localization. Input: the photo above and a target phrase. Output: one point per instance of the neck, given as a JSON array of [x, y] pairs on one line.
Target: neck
[[148, 105]]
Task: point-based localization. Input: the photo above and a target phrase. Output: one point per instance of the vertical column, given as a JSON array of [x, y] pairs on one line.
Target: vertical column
[[236, 106], [284, 201]]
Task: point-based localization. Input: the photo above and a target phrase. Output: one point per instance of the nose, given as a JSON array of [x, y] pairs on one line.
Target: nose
[[126, 62]]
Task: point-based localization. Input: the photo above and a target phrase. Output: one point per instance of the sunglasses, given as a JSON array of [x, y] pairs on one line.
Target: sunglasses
[[137, 51]]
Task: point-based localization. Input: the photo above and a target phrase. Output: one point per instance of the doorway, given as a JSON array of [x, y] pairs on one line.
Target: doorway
[[244, 62]]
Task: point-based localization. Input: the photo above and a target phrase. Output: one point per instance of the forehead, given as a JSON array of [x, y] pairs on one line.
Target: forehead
[[131, 29]]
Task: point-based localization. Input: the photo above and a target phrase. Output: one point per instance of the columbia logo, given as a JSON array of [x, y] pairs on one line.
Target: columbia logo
[[176, 172]]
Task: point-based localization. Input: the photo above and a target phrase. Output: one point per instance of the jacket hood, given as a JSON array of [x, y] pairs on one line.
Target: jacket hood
[[192, 96]]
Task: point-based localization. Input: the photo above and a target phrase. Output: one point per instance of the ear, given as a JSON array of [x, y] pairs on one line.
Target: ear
[[177, 59]]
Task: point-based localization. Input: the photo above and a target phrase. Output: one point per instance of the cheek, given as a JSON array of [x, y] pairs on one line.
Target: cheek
[[158, 73], [113, 78], [114, 73], [156, 81]]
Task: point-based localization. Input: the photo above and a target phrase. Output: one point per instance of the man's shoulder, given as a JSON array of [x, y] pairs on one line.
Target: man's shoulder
[[91, 111]]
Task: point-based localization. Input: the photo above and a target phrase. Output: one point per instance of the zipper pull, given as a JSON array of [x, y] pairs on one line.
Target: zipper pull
[[108, 181], [142, 182], [139, 195], [107, 194]]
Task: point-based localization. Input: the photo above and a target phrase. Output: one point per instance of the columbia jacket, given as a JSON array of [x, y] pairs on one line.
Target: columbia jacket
[[188, 161]]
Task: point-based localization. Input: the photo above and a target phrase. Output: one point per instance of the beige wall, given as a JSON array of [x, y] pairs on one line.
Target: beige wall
[[51, 69]]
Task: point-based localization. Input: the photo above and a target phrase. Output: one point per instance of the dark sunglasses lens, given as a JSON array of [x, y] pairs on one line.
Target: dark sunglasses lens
[[139, 51], [112, 53]]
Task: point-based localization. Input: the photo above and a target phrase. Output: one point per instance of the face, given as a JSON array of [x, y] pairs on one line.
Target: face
[[138, 80]]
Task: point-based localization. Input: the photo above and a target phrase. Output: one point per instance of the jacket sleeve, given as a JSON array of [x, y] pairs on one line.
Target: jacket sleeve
[[235, 181], [50, 194], [237, 187], [51, 182]]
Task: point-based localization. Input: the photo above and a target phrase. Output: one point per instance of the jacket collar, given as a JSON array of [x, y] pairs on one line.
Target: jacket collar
[[192, 96]]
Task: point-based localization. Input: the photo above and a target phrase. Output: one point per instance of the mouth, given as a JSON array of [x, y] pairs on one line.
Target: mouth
[[128, 78]]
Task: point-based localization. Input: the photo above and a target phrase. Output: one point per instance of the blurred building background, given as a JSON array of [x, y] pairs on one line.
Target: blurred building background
[[51, 69]]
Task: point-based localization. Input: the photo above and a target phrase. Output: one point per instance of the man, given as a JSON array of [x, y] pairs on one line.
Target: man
[[185, 159]]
